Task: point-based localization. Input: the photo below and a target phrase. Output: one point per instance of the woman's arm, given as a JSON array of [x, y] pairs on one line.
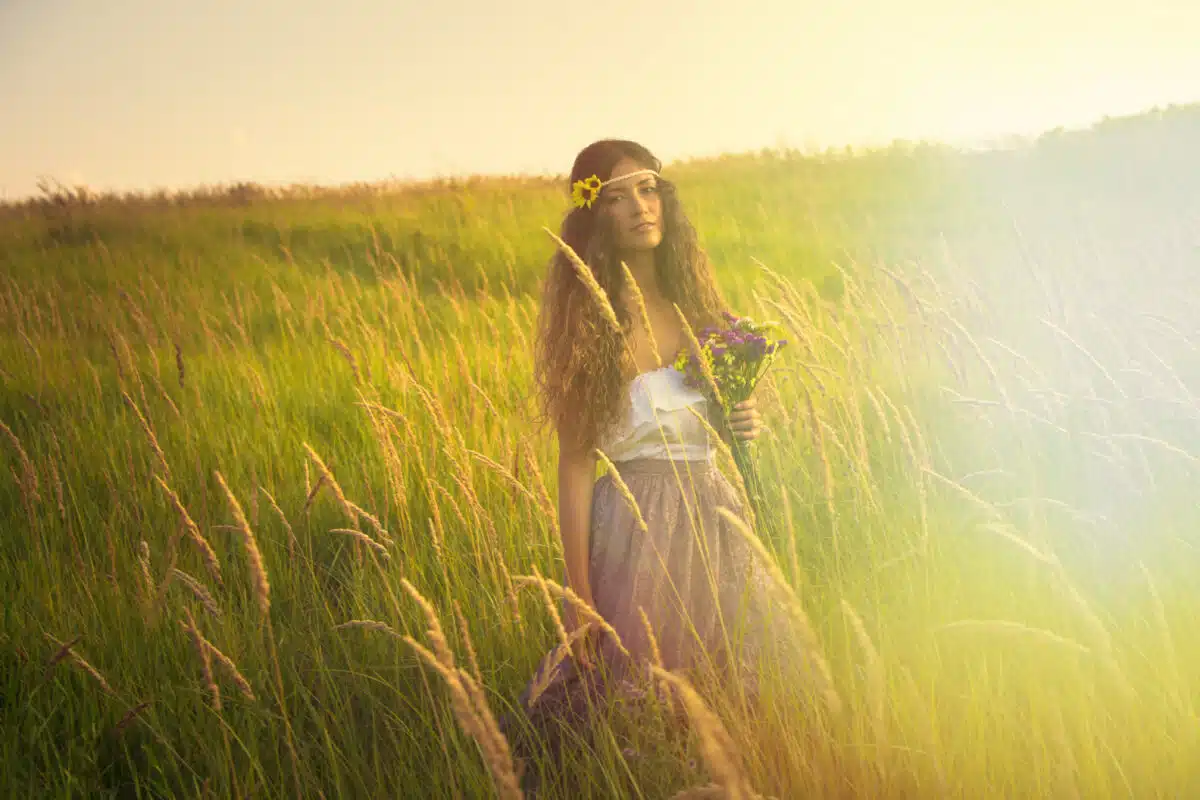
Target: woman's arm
[[576, 482]]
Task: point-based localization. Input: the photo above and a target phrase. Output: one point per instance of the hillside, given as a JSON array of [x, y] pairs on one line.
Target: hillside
[[276, 507]]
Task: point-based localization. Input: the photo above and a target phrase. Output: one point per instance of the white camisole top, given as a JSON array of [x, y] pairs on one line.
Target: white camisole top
[[658, 410]]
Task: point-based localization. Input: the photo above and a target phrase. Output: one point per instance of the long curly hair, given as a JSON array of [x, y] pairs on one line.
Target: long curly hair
[[581, 366]]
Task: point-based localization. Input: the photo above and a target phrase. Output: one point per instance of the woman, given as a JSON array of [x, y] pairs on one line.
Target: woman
[[683, 591]]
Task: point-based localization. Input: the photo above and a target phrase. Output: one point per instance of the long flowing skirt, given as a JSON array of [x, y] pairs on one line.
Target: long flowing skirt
[[685, 589]]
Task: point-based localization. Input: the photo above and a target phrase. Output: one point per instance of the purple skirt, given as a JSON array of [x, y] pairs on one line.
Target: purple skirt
[[707, 599]]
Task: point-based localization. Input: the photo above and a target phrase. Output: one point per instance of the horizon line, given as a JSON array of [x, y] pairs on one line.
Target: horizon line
[[971, 145]]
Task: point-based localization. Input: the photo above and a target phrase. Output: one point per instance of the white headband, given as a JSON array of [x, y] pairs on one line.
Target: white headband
[[585, 191], [630, 175]]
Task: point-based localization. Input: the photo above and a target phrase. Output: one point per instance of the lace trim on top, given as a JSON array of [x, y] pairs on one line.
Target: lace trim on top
[[658, 409]]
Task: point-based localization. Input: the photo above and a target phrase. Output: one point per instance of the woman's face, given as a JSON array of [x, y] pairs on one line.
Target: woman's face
[[633, 207]]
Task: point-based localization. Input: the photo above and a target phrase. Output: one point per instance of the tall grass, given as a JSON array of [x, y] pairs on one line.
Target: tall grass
[[982, 459]]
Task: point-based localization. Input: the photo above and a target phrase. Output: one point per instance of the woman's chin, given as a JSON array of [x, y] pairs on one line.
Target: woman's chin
[[644, 241]]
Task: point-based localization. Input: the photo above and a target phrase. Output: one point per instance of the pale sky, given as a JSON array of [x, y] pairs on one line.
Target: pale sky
[[140, 94]]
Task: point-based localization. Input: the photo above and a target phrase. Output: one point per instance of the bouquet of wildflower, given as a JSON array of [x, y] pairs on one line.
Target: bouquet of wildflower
[[737, 357]]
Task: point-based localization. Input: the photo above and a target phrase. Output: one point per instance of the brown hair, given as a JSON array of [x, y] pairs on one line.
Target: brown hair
[[580, 363]]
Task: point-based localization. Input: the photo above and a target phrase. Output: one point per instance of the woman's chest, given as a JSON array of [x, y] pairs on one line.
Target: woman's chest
[[668, 336]]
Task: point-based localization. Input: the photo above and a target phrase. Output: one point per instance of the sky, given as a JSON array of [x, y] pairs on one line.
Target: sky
[[145, 94]]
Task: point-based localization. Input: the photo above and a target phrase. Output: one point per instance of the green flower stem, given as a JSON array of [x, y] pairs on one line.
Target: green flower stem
[[744, 458], [744, 455]]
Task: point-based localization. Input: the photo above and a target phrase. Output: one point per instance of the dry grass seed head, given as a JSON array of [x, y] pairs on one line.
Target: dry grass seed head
[[199, 590], [208, 555], [454, 505], [559, 654], [716, 744], [589, 281], [333, 484], [511, 479], [144, 562], [82, 663], [440, 644], [61, 652], [258, 571], [312, 493], [466, 635], [549, 587], [820, 667], [369, 625], [67, 650], [643, 315], [349, 356], [227, 664], [531, 463], [293, 544], [655, 654], [372, 519], [550, 605], [158, 452], [31, 479], [205, 661], [365, 539], [491, 741], [448, 434], [623, 488], [129, 716]]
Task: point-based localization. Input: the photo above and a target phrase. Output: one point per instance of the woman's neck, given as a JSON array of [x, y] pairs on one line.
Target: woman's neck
[[641, 265]]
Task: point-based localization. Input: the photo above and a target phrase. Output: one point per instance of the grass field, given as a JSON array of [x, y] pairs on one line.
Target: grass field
[[232, 427]]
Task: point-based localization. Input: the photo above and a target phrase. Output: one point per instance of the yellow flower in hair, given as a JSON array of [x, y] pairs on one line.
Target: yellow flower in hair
[[584, 192]]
